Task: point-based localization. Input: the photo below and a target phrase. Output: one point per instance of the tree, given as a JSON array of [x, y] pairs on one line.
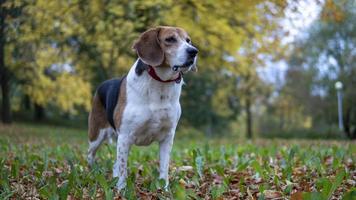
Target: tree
[[231, 37], [8, 10], [328, 53], [62, 49], [4, 74]]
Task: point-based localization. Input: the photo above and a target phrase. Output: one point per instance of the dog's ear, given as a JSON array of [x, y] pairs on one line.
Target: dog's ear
[[148, 48]]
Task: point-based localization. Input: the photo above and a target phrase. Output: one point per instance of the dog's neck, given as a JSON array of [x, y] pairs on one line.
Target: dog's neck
[[140, 83], [164, 72]]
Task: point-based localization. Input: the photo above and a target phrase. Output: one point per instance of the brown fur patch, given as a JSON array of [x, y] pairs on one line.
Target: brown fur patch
[[148, 48], [170, 48], [97, 119], [120, 106]]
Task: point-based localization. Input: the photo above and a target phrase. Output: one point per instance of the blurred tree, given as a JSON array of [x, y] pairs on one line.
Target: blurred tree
[[328, 54], [9, 10], [63, 49], [4, 74], [42, 62], [233, 37], [295, 103], [105, 33]]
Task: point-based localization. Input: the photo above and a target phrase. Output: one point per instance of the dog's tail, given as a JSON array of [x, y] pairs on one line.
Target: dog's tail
[[97, 128]]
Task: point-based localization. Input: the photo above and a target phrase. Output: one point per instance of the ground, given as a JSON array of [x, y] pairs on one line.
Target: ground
[[48, 162]]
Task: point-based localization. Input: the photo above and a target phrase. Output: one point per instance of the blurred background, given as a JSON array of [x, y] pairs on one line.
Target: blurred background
[[266, 68]]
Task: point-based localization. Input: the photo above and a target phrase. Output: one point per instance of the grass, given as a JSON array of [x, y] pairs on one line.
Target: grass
[[48, 162]]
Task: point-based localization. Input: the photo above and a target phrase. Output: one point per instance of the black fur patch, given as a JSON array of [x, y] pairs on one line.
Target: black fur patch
[[108, 93], [140, 67]]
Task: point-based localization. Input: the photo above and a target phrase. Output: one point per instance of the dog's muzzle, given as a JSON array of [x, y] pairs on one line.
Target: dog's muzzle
[[185, 65], [192, 53]]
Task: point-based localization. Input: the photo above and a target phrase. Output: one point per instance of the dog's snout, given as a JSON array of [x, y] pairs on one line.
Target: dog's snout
[[192, 51]]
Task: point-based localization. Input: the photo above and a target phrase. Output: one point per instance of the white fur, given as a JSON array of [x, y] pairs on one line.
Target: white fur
[[106, 133], [179, 56], [151, 114]]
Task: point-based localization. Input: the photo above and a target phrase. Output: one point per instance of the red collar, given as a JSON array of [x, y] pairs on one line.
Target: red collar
[[153, 74]]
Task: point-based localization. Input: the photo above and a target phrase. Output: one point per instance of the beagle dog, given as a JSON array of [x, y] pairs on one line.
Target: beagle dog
[[143, 106]]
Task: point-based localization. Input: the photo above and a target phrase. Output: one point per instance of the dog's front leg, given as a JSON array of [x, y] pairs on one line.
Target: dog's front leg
[[120, 167], [165, 147]]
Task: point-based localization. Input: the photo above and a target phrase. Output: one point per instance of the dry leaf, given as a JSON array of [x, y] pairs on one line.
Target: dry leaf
[[272, 194], [297, 196], [185, 168]]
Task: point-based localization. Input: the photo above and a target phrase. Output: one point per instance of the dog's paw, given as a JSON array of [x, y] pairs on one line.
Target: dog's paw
[[164, 184], [120, 185], [91, 160], [166, 187]]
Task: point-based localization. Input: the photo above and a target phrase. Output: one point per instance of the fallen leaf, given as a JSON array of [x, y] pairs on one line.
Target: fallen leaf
[[182, 182], [58, 171], [297, 196], [185, 168], [272, 194]]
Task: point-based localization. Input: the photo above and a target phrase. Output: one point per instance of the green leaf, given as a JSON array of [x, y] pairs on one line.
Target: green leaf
[[217, 191], [103, 183], [292, 153], [257, 168], [64, 191], [351, 195], [338, 180], [15, 169], [313, 196], [198, 162], [324, 185]]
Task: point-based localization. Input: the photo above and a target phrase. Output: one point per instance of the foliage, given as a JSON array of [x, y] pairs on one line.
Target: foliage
[[231, 37], [49, 162], [58, 52], [59, 49], [83, 43], [324, 57]]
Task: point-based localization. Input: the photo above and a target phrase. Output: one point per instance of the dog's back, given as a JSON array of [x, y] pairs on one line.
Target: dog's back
[[108, 93]]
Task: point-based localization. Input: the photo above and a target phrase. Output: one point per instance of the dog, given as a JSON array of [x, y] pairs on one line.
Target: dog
[[143, 106]]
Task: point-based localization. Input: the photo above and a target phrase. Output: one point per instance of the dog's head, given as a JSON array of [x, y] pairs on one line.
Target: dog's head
[[165, 45]]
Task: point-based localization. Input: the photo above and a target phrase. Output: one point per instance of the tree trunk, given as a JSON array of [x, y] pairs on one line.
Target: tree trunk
[[281, 121], [248, 118], [26, 102], [4, 73], [6, 106], [209, 128], [351, 134], [347, 123], [39, 113]]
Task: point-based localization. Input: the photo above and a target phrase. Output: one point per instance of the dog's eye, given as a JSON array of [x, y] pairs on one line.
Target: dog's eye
[[171, 39], [188, 40]]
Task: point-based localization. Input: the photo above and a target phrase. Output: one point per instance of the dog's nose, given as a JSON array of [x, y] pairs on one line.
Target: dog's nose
[[192, 51]]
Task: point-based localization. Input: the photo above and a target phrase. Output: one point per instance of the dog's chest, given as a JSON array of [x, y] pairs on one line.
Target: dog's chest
[[156, 122], [160, 122], [154, 115]]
